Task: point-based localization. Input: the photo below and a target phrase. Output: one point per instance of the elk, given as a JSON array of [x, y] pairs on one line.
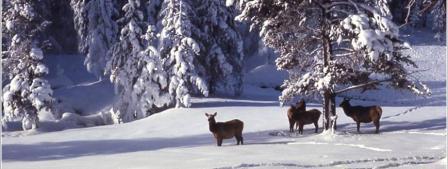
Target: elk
[[292, 110], [225, 130], [303, 117], [362, 114]]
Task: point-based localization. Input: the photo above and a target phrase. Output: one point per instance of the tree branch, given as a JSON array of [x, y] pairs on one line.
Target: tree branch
[[408, 13], [361, 85]]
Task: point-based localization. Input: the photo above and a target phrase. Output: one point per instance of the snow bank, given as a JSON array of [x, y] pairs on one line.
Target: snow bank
[[266, 76]]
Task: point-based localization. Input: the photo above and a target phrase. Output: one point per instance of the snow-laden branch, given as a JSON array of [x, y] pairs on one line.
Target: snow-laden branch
[[361, 85]]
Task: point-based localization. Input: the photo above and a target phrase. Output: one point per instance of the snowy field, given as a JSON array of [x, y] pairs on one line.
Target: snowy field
[[412, 132]]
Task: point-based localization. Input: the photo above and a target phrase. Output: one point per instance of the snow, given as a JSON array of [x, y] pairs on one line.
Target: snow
[[179, 138], [75, 88], [36, 53], [412, 132], [265, 75]]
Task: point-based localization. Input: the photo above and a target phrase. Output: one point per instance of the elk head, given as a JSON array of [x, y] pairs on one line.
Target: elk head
[[345, 102], [211, 117]]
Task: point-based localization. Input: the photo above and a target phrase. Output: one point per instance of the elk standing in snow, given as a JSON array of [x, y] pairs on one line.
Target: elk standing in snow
[[225, 130], [303, 117], [362, 114], [292, 110]]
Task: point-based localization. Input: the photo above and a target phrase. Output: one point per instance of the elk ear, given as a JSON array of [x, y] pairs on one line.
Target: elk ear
[[215, 113], [206, 114]]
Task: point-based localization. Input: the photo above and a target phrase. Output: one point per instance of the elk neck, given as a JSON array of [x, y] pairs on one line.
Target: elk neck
[[212, 125], [346, 109]]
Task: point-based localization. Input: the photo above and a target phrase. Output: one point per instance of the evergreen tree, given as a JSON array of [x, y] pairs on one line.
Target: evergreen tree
[[438, 14], [223, 46], [179, 51], [135, 68], [27, 93], [97, 31], [329, 47]]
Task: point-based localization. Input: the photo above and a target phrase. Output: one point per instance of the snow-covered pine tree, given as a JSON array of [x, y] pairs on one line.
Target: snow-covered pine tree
[[80, 23], [135, 68], [416, 19], [329, 47], [101, 34], [179, 51], [97, 31], [223, 46], [27, 93], [438, 14]]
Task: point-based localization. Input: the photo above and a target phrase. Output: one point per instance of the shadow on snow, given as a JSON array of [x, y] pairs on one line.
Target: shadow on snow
[[72, 149]]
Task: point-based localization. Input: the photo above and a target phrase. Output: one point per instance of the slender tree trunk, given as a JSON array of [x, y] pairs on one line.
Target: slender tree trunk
[[329, 97], [329, 110]]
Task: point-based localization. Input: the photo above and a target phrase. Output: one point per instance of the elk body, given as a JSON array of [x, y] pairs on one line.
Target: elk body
[[361, 114], [303, 117], [225, 130], [299, 116], [290, 113]]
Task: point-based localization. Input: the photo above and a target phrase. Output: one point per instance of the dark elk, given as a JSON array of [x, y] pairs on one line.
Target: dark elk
[[361, 114], [291, 111], [303, 117], [299, 116], [225, 130]]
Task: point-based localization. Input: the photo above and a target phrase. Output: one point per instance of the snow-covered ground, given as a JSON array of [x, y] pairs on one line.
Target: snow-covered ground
[[412, 133], [179, 138]]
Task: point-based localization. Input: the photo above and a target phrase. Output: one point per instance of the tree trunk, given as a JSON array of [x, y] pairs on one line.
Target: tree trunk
[[329, 110], [329, 97]]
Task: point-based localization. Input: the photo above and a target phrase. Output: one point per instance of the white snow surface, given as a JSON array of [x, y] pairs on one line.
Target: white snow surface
[[179, 138], [265, 75], [412, 132]]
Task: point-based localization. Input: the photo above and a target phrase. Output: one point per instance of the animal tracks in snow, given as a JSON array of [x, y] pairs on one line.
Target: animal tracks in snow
[[344, 144], [372, 163], [403, 113]]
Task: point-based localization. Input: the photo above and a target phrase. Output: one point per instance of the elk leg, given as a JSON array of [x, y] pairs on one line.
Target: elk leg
[[357, 126], [237, 140], [241, 139], [301, 129], [316, 126], [291, 125], [377, 125], [219, 141]]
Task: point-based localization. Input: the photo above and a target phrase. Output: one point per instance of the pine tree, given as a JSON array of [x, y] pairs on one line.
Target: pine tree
[[102, 31], [223, 46], [438, 14], [179, 50], [136, 69], [80, 23], [27, 93], [97, 31], [330, 47]]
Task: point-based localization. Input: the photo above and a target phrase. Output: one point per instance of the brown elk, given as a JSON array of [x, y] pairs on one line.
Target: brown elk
[[292, 110], [362, 114], [225, 130], [303, 117]]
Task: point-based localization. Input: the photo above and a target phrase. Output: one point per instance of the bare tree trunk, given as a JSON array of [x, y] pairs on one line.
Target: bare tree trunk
[[329, 110], [329, 97]]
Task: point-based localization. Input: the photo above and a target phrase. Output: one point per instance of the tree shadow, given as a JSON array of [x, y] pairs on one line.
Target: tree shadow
[[398, 98], [72, 149], [393, 126], [234, 103]]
